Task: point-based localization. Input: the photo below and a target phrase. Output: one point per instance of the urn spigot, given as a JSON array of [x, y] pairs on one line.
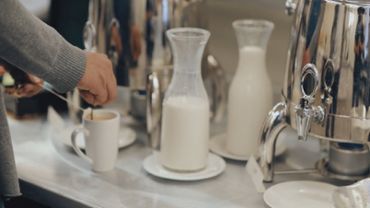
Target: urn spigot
[[306, 111]]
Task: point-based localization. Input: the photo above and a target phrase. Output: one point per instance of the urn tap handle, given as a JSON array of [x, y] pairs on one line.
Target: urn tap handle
[[290, 7], [305, 111]]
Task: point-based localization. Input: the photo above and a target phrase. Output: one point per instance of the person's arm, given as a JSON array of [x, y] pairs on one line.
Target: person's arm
[[29, 44]]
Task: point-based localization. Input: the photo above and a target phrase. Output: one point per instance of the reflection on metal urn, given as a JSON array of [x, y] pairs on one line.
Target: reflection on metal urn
[[102, 34], [326, 92]]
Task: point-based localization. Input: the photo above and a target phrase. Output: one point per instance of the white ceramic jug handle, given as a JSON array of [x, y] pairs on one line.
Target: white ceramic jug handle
[[75, 132]]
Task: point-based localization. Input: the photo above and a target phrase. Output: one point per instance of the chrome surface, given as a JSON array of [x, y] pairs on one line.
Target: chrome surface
[[138, 101], [290, 6], [148, 21], [323, 169], [333, 36], [101, 30], [327, 82], [217, 82], [273, 125], [306, 112], [349, 159], [154, 110]]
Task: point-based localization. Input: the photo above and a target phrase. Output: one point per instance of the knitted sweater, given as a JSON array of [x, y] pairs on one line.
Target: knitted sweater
[[34, 47]]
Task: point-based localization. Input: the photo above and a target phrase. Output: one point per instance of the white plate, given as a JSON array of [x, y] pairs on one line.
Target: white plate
[[126, 137], [302, 194], [216, 165], [218, 146]]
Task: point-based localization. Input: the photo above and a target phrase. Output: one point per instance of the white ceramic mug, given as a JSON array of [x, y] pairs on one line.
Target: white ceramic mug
[[101, 139]]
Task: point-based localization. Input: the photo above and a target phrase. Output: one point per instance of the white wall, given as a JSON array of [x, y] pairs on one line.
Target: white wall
[[223, 43]]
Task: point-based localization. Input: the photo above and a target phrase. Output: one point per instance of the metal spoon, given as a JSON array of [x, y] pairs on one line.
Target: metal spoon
[[47, 87]]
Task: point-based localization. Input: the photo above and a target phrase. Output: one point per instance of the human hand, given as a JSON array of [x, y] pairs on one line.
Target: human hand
[[30, 88], [98, 85], [27, 85]]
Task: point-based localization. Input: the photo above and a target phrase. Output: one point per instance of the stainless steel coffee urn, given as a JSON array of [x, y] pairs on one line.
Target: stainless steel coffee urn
[[326, 93], [101, 28]]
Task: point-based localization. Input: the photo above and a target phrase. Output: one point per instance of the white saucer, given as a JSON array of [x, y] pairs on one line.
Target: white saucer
[[218, 146], [216, 165], [126, 137], [302, 194]]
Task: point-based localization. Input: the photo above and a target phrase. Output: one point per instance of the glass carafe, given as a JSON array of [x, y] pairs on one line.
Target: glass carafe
[[250, 93], [185, 115]]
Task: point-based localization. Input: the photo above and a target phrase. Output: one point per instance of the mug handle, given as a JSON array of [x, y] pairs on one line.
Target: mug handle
[[75, 132]]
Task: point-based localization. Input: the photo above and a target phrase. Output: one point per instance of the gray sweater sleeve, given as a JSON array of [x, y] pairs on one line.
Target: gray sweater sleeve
[[31, 45]]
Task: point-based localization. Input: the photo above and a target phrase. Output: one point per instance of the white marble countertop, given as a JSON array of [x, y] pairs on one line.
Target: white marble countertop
[[48, 168]]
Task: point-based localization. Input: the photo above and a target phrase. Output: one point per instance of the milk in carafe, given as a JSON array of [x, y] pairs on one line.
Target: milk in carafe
[[250, 98], [250, 93], [185, 133]]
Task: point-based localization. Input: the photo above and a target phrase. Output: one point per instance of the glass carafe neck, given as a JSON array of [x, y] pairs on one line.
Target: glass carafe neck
[[187, 46], [253, 37], [254, 33]]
